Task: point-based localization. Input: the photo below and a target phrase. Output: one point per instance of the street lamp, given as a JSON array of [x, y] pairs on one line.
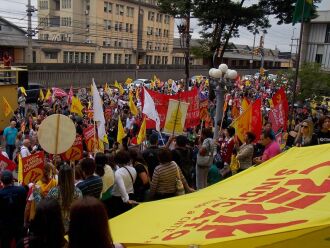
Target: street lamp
[[221, 76], [184, 31]]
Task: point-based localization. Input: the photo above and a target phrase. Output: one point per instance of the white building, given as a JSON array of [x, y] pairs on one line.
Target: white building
[[316, 40]]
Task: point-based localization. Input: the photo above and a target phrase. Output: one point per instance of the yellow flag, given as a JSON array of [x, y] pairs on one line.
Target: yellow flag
[[143, 132], [48, 95], [243, 123], [137, 93], [20, 169], [105, 139], [121, 132], [129, 81], [76, 106], [7, 109], [41, 95], [245, 105], [89, 104], [120, 88], [132, 106], [23, 90]]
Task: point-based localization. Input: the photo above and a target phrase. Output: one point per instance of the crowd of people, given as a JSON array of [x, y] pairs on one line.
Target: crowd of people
[[78, 198]]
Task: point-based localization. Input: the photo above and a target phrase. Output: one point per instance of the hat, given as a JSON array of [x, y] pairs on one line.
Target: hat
[[6, 177]]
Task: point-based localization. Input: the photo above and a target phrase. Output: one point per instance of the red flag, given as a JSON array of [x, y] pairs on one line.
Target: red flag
[[6, 163], [256, 120], [57, 92], [279, 114]]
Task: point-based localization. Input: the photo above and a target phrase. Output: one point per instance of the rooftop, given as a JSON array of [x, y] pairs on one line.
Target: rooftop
[[323, 17]]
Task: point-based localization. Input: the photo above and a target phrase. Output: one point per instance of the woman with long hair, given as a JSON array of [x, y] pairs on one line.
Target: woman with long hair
[[65, 192], [89, 225], [306, 136], [323, 136], [46, 229]]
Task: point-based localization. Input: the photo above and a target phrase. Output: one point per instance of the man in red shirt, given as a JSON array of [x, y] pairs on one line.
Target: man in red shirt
[[7, 65]]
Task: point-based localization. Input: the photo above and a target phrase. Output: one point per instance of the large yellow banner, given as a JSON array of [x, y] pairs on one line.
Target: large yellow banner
[[281, 203]]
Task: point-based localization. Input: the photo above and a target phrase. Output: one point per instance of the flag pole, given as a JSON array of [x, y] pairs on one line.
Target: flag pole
[[297, 67]]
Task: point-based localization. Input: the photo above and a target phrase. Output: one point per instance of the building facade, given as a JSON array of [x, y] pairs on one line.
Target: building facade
[[316, 40], [104, 31]]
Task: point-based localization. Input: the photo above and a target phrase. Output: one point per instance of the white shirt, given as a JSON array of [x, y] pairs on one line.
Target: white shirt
[[25, 152], [123, 182]]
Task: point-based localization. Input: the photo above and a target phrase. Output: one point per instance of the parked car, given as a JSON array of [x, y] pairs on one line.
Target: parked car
[[141, 82]]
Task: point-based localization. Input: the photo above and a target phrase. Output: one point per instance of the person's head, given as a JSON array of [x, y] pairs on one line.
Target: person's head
[[268, 126], [153, 139], [324, 123], [206, 133], [181, 141], [49, 169], [164, 156], [47, 224], [100, 161], [136, 156], [89, 225], [26, 143], [307, 128], [230, 131], [13, 124], [122, 158], [7, 177], [267, 137], [66, 185], [88, 166], [249, 137]]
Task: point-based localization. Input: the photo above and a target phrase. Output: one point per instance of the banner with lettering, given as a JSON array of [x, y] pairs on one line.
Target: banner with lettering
[[162, 101], [75, 152], [33, 167], [283, 202], [278, 115], [90, 138]]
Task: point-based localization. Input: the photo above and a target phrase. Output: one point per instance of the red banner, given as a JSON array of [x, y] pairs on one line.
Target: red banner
[[75, 152], [256, 121], [162, 101], [107, 113], [33, 167], [90, 138], [6, 163], [278, 115]]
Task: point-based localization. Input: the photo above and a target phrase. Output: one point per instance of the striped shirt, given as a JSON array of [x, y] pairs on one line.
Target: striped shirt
[[164, 179], [91, 186]]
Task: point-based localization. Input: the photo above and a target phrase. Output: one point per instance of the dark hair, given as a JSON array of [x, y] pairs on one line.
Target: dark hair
[[88, 166], [231, 131], [181, 140], [164, 156], [251, 136], [122, 157], [7, 177], [66, 185], [268, 134], [322, 120], [207, 133], [136, 156], [153, 139], [268, 122], [89, 225], [47, 225], [100, 161]]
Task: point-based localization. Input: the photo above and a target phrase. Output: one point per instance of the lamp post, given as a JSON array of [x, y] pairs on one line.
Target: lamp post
[[184, 31], [221, 76]]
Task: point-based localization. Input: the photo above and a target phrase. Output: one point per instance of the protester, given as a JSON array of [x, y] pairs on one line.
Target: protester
[[89, 225], [92, 185], [9, 137], [227, 147], [150, 155], [245, 152], [12, 205], [306, 136], [272, 148], [163, 183], [65, 192], [205, 154], [323, 136], [25, 149], [46, 229], [21, 103], [123, 189]]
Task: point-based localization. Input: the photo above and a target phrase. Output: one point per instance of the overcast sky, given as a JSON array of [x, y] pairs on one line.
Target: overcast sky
[[277, 36]]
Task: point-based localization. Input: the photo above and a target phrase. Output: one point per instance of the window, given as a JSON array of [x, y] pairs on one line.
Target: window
[[119, 9], [43, 4], [66, 4], [117, 58], [66, 22], [327, 34], [129, 11], [150, 30], [106, 42], [165, 33], [149, 45], [54, 21], [78, 57], [149, 59], [43, 21], [167, 19], [128, 59], [65, 57], [164, 60], [120, 26], [159, 17], [107, 7], [158, 32], [106, 58], [127, 27], [107, 24], [51, 55], [318, 58], [131, 28], [157, 60], [151, 15]]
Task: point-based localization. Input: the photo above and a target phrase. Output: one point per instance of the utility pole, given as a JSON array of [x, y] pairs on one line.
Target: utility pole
[[30, 9], [262, 53], [187, 57], [291, 46], [254, 44], [139, 41]]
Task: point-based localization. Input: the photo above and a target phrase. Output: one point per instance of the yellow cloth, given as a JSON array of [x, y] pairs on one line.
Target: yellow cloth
[[143, 132], [121, 133], [76, 106], [7, 109]]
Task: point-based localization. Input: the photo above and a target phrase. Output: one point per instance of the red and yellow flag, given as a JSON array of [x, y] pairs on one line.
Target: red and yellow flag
[[143, 132], [7, 109]]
